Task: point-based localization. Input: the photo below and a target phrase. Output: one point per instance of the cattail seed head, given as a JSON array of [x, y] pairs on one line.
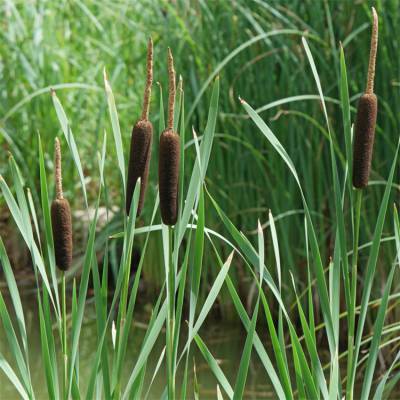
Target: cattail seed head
[[364, 131], [168, 175], [169, 157], [61, 218], [139, 162], [364, 136], [62, 233], [141, 139]]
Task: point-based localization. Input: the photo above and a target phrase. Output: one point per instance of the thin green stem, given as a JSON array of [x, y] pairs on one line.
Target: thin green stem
[[64, 335], [351, 311], [171, 318]]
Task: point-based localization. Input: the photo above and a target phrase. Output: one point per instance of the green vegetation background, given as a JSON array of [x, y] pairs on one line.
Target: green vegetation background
[[66, 44]]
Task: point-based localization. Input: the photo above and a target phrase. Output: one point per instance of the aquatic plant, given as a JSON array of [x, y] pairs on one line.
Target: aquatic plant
[[61, 217], [141, 140], [169, 157], [364, 134]]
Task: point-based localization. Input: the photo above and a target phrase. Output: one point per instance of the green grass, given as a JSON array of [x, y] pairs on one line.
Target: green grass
[[322, 263]]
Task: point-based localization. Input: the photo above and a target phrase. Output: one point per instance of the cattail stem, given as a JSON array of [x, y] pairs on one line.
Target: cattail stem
[[353, 292], [58, 173], [372, 53], [170, 332], [172, 90], [149, 81], [64, 335]]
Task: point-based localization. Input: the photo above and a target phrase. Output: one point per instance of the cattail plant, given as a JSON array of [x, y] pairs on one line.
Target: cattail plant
[[61, 218], [366, 118], [168, 162], [140, 150]]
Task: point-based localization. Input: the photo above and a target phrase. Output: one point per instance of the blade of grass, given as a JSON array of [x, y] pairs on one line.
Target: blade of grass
[[371, 266]]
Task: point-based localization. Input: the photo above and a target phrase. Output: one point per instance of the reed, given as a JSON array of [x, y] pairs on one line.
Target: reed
[[141, 139], [366, 118], [61, 218], [168, 162]]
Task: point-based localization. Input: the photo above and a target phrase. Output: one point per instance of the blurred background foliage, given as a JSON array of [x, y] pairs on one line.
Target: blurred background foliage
[[255, 48]]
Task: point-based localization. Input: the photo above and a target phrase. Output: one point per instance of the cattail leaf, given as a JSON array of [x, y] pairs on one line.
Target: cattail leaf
[[66, 128], [275, 245], [279, 350], [219, 394], [25, 229], [47, 89], [78, 318], [307, 379], [14, 294], [340, 241], [44, 195], [34, 217], [277, 343], [181, 162], [264, 358], [198, 258], [372, 260], [212, 295], [382, 384], [101, 309], [123, 334], [345, 103], [376, 338], [126, 330], [48, 326], [179, 307], [116, 130], [146, 348], [156, 369], [245, 360], [196, 178], [311, 347], [375, 343], [318, 267], [234, 53], [10, 374], [47, 361], [15, 348], [213, 364]]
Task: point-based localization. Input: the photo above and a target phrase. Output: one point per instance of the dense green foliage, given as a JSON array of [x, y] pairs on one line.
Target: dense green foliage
[[285, 147], [68, 43]]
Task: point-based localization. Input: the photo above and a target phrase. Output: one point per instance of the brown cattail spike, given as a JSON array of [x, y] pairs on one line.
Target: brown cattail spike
[[168, 176], [141, 139], [61, 218], [139, 162], [364, 132], [372, 54], [169, 157]]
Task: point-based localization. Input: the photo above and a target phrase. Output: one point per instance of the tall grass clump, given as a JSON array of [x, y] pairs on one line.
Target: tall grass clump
[[311, 325]]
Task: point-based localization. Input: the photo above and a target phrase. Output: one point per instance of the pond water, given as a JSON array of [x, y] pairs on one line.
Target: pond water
[[224, 341]]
